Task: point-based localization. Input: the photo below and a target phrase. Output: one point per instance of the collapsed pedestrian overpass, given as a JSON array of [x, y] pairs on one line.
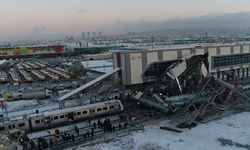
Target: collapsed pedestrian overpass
[[85, 86]]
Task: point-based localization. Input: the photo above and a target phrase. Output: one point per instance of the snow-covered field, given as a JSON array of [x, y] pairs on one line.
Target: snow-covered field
[[230, 133]]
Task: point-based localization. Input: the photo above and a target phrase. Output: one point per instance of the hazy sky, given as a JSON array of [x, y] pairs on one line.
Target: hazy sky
[[29, 18]]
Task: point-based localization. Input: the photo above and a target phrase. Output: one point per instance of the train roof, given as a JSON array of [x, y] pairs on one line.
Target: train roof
[[62, 111], [36, 114]]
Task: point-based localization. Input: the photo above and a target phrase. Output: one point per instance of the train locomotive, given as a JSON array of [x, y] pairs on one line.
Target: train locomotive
[[54, 118]]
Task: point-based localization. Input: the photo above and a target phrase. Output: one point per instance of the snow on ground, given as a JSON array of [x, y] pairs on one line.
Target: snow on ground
[[99, 65], [13, 106], [233, 131], [27, 107], [2, 62]]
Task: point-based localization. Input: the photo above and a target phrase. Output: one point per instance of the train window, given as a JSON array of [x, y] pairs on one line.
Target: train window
[[62, 116], [13, 126], [84, 112], [9, 126], [93, 110], [37, 121], [47, 119], [78, 113], [99, 109], [21, 124], [71, 116], [56, 117], [2, 128], [105, 108], [111, 107]]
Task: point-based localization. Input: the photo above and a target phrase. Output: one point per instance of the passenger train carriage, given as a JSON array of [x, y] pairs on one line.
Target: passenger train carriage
[[63, 116]]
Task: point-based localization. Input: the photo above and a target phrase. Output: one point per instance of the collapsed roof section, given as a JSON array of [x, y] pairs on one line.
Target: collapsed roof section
[[157, 68]]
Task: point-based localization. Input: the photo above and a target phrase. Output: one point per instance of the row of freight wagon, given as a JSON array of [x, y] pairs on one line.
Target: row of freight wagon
[[21, 75]]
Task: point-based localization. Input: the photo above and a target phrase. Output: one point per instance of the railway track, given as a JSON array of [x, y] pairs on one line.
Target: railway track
[[99, 136]]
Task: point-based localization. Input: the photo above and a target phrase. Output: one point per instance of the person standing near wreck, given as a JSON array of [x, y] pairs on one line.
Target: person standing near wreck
[[77, 130]]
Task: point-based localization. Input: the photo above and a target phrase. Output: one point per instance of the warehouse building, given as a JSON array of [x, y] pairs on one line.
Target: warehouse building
[[223, 61]]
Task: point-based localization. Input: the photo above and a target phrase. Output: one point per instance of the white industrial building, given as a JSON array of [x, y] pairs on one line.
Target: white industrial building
[[223, 60]]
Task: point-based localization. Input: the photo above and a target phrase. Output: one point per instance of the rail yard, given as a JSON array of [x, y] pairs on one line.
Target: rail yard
[[33, 71], [55, 103]]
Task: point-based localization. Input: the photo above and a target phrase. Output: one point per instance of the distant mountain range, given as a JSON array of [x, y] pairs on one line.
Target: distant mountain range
[[230, 20]]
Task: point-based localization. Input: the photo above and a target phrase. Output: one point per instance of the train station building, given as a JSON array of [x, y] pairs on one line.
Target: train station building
[[224, 61]]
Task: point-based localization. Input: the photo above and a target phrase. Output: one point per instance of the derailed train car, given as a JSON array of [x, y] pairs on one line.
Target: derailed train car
[[64, 116]]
